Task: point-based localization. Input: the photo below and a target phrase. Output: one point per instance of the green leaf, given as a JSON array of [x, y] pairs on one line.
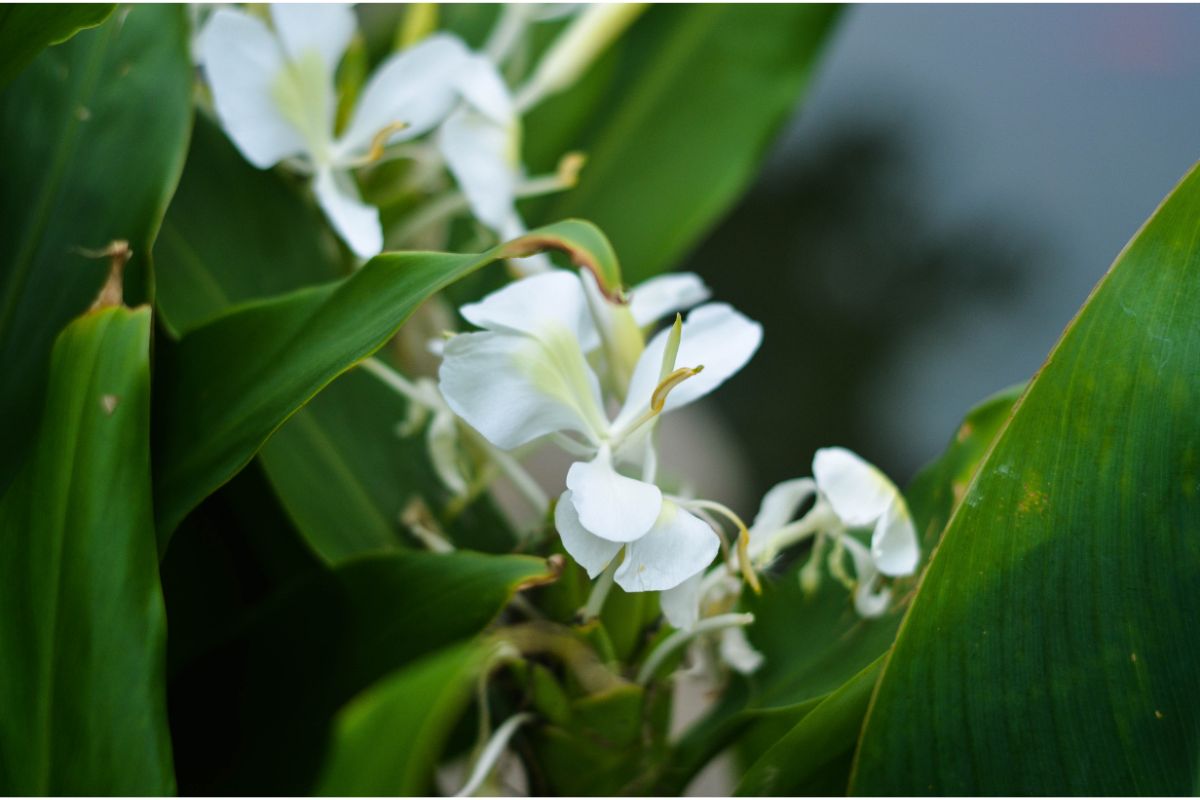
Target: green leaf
[[92, 139], [27, 28], [387, 741], [306, 652], [233, 234], [229, 384], [1050, 647], [702, 91], [814, 757], [83, 632]]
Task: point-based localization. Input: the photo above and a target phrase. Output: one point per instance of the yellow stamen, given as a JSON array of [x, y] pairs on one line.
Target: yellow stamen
[[569, 167], [743, 543], [659, 398], [379, 142]]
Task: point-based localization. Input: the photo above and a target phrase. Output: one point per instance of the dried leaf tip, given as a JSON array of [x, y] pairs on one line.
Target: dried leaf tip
[[112, 294]]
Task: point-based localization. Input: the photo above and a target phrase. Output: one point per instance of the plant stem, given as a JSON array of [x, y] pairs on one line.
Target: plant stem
[[680, 638], [595, 601]]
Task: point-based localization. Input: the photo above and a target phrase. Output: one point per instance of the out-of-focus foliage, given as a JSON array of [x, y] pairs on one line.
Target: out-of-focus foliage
[[26, 28]]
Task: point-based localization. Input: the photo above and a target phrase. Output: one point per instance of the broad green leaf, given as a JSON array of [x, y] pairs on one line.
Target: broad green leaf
[[306, 652], [27, 28], [92, 139], [388, 739], [233, 234], [701, 92], [229, 384], [1050, 648], [82, 628], [814, 757]]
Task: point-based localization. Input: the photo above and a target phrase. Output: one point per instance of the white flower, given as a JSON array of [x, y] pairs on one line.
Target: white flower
[[530, 374], [274, 93]]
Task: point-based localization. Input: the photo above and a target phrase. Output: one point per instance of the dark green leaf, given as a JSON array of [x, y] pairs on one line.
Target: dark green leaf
[[1050, 648], [82, 633], [388, 739], [702, 91], [285, 673], [232, 382], [27, 28], [92, 139]]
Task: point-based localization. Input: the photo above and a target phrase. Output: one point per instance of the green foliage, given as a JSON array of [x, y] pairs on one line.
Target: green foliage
[[1045, 652], [26, 28], [692, 106], [83, 631], [92, 138]]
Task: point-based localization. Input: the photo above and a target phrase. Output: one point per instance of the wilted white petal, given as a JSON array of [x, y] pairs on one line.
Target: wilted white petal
[[442, 440], [894, 545], [676, 548], [681, 605], [513, 388], [858, 491], [590, 551], [355, 221], [481, 154], [531, 305], [714, 336], [322, 28], [779, 506], [611, 505], [416, 86], [652, 300], [243, 62], [871, 598], [737, 652]]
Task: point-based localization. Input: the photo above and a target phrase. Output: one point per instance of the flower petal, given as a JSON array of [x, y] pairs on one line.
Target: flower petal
[[715, 336], [676, 548], [681, 605], [871, 599], [513, 389], [533, 305], [652, 300], [442, 440], [779, 506], [737, 652], [242, 62], [858, 491], [355, 221], [484, 89], [589, 551], [894, 545], [416, 86], [481, 154], [323, 28], [611, 505]]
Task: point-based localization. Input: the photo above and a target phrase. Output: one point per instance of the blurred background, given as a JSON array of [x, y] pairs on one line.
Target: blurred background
[[958, 180]]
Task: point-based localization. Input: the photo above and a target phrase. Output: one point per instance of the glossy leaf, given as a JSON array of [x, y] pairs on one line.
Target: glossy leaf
[[1049, 647], [307, 651], [813, 758], [27, 28], [702, 91], [92, 138], [233, 234], [229, 384], [83, 633]]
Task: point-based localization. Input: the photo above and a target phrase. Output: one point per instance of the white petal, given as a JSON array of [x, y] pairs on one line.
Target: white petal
[[416, 86], [779, 506], [242, 62], [512, 389], [323, 28], [871, 599], [681, 605], [652, 300], [589, 551], [481, 86], [611, 505], [355, 221], [481, 154], [715, 336], [894, 545], [858, 491], [534, 305], [676, 548], [442, 440], [737, 652]]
